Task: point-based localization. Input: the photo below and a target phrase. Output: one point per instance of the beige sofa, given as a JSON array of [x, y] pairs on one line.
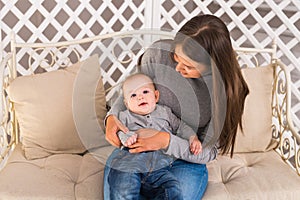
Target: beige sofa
[[53, 146]]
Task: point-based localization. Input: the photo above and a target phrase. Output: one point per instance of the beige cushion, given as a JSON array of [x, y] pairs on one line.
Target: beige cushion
[[255, 176], [257, 117], [59, 176], [56, 110]]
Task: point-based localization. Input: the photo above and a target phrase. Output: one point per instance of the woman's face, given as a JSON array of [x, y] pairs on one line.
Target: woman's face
[[186, 66]]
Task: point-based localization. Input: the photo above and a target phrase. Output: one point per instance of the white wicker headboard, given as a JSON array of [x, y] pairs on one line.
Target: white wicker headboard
[[118, 53]]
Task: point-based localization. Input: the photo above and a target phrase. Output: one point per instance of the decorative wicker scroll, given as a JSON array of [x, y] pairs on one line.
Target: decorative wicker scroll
[[8, 126], [283, 127]]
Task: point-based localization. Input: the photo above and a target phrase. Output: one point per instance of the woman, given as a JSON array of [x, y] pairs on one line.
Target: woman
[[203, 85]]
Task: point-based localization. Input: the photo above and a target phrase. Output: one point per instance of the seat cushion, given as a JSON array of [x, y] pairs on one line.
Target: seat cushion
[[251, 176], [60, 111], [60, 176]]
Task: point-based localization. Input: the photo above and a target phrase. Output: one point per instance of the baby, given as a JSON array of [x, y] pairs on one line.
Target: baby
[[140, 98]]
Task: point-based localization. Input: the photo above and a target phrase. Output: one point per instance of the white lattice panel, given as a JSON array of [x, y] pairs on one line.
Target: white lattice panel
[[50, 20], [252, 24], [55, 21]]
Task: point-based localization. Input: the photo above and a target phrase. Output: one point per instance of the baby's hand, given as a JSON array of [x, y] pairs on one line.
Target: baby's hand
[[131, 140], [195, 145]]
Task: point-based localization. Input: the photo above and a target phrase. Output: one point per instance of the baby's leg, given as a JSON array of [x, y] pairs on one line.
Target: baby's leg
[[124, 185], [161, 184]]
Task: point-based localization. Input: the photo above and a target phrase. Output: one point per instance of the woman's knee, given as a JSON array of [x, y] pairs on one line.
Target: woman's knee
[[193, 179]]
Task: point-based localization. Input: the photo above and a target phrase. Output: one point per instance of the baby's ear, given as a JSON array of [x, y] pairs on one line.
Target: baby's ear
[[156, 93]]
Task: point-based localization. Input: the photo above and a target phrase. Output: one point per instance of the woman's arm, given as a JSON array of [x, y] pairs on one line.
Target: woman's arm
[[117, 106], [150, 140], [113, 125], [172, 145]]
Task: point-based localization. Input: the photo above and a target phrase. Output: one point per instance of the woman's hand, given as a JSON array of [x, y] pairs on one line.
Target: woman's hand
[[150, 140], [113, 125]]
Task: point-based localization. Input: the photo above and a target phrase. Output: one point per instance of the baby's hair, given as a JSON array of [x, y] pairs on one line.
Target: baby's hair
[[135, 75], [134, 81], [130, 76]]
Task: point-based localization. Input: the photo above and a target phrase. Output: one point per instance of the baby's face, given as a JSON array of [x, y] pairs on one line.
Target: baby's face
[[142, 100]]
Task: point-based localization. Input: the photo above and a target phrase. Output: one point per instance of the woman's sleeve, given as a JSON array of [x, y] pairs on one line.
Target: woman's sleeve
[[180, 148], [117, 106], [147, 65], [179, 127], [157, 54]]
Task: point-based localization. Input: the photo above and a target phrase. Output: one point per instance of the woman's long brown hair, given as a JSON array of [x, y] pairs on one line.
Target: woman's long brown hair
[[212, 35]]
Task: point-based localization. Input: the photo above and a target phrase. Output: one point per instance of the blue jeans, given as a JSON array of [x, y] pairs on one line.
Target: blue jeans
[[159, 185], [193, 178]]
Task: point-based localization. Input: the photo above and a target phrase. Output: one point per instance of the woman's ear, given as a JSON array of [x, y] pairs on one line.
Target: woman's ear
[[156, 93]]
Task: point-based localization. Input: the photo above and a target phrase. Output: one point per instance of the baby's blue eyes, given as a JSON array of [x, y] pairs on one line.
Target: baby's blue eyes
[[144, 92]]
